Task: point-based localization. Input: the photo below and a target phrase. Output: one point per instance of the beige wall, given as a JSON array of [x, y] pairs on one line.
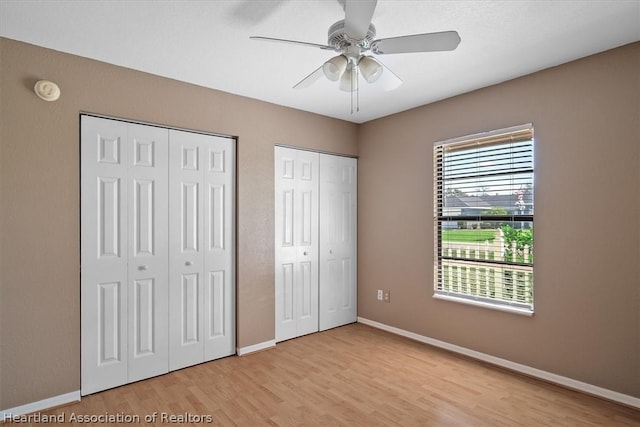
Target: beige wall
[[586, 117], [586, 324], [39, 196]]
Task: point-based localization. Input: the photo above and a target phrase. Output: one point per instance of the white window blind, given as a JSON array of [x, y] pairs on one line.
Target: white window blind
[[483, 219]]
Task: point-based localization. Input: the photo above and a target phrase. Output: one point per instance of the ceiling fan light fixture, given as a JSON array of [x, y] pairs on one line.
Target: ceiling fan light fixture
[[370, 68], [355, 35], [349, 80], [335, 67]]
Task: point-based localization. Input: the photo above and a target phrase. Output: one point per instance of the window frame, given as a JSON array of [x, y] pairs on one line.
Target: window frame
[[497, 137]]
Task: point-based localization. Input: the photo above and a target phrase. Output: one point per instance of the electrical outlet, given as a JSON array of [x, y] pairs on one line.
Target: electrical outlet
[[380, 295], [387, 296]]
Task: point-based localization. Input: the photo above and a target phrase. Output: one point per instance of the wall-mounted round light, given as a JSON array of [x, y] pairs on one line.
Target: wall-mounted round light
[[47, 90]]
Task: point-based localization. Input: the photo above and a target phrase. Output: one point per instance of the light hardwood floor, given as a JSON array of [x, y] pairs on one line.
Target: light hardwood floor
[[354, 376]]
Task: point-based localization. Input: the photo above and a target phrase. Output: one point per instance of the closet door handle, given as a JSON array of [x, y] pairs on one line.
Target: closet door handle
[[188, 263], [305, 253], [142, 267]]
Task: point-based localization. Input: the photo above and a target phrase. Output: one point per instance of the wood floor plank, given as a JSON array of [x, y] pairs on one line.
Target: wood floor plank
[[351, 376]]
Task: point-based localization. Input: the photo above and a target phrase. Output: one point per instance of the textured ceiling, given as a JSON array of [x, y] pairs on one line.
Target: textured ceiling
[[207, 43]]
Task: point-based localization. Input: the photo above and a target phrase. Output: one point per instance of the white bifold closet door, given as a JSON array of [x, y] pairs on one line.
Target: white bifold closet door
[[315, 241], [157, 251], [338, 244], [124, 253], [296, 240], [201, 292]]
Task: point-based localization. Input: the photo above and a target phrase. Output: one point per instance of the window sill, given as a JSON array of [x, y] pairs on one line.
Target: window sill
[[506, 308]]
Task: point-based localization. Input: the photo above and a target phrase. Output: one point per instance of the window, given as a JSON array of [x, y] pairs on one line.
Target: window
[[483, 222]]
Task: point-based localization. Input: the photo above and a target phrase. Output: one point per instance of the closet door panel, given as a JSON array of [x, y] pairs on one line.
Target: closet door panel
[[306, 241], [104, 252], [296, 242], [186, 254], [219, 257], [338, 244], [148, 251], [286, 194], [202, 263]]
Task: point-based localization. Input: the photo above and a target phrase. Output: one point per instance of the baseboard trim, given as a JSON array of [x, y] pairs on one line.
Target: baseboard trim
[[242, 351], [517, 367], [41, 405]]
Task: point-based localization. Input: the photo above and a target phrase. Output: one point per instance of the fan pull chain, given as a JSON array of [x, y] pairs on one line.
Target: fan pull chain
[[351, 88], [357, 89]]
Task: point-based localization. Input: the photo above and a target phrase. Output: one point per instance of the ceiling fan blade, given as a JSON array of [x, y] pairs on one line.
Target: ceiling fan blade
[[388, 80], [271, 39], [358, 14], [310, 79], [430, 42]]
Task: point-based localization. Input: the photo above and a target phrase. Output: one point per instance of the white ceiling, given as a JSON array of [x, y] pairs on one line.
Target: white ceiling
[[207, 43]]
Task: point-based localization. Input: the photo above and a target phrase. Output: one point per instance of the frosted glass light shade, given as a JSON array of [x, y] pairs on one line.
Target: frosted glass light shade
[[370, 68], [334, 67], [349, 80]]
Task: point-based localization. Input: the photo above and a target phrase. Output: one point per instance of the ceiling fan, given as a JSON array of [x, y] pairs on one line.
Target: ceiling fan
[[353, 36]]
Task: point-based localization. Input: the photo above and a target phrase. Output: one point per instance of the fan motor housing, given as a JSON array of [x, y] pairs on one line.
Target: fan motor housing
[[339, 40]]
